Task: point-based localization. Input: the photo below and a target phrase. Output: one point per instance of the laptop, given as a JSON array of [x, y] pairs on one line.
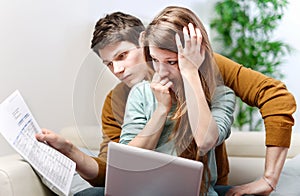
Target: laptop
[[133, 171]]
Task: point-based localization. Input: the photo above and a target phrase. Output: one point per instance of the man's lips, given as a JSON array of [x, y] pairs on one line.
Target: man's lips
[[125, 77]]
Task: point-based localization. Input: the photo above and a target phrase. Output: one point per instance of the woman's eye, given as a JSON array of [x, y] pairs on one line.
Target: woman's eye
[[172, 62], [154, 60]]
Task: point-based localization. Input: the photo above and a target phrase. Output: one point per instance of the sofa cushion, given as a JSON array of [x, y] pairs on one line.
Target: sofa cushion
[[246, 144], [18, 178], [85, 137], [245, 169], [252, 144]]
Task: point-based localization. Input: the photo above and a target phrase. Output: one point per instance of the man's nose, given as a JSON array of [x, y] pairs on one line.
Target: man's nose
[[118, 67]]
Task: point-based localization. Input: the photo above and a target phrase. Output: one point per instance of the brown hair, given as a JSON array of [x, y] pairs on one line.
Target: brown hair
[[161, 33], [114, 28]]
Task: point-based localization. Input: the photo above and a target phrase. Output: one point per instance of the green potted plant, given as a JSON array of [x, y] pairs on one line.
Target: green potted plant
[[244, 29]]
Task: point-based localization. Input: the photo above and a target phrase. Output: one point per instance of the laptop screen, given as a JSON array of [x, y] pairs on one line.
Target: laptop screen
[[134, 171]]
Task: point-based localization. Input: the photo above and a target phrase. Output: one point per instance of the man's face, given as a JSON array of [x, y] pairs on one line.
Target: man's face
[[126, 61]]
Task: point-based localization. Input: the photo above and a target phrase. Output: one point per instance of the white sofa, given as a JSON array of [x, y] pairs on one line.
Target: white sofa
[[245, 149]]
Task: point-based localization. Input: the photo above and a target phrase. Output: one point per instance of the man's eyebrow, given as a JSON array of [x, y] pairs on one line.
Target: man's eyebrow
[[120, 51], [114, 56]]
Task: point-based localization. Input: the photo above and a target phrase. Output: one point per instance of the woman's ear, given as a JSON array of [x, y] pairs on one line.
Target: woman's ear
[[141, 39]]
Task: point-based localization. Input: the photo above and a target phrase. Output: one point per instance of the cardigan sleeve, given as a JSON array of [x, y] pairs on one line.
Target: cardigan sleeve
[[275, 102], [112, 119]]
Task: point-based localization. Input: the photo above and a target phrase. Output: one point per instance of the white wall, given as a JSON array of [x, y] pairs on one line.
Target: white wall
[[289, 31], [44, 48]]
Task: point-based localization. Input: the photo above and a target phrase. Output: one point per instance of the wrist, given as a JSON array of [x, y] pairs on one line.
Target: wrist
[[270, 183], [162, 109], [68, 149], [188, 72]]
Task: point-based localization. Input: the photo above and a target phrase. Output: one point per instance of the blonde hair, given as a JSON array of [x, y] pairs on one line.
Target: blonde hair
[[161, 33]]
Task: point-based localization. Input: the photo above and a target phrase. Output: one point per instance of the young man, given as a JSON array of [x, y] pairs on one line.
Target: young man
[[115, 40], [125, 59]]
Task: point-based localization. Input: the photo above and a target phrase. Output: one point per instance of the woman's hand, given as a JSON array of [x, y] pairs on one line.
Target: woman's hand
[[192, 55], [160, 87]]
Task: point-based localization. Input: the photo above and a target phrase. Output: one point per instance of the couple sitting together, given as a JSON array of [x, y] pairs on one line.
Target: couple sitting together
[[177, 97]]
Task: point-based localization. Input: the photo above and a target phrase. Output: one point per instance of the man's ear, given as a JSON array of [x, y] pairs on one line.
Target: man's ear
[[141, 39]]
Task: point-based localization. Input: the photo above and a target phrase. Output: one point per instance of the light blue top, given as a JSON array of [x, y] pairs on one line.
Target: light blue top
[[142, 103]]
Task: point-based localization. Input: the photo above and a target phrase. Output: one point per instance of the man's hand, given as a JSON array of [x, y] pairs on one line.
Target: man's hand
[[54, 140], [258, 187]]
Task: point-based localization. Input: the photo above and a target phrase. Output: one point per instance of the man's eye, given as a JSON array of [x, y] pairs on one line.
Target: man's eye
[[109, 64], [122, 55]]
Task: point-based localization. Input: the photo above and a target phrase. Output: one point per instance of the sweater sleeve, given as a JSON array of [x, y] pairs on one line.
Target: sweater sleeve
[[135, 118], [275, 102], [222, 108]]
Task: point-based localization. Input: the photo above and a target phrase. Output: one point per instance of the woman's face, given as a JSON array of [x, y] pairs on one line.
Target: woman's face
[[165, 63]]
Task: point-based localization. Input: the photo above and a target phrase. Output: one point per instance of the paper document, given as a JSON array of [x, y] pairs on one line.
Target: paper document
[[19, 127]]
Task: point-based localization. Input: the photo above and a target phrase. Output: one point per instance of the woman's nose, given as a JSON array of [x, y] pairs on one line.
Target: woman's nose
[[162, 70]]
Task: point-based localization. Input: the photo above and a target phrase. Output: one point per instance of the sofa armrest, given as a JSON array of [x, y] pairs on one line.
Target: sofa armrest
[[18, 178]]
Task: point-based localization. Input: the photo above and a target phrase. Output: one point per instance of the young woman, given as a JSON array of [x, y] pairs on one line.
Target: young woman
[[185, 110]]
